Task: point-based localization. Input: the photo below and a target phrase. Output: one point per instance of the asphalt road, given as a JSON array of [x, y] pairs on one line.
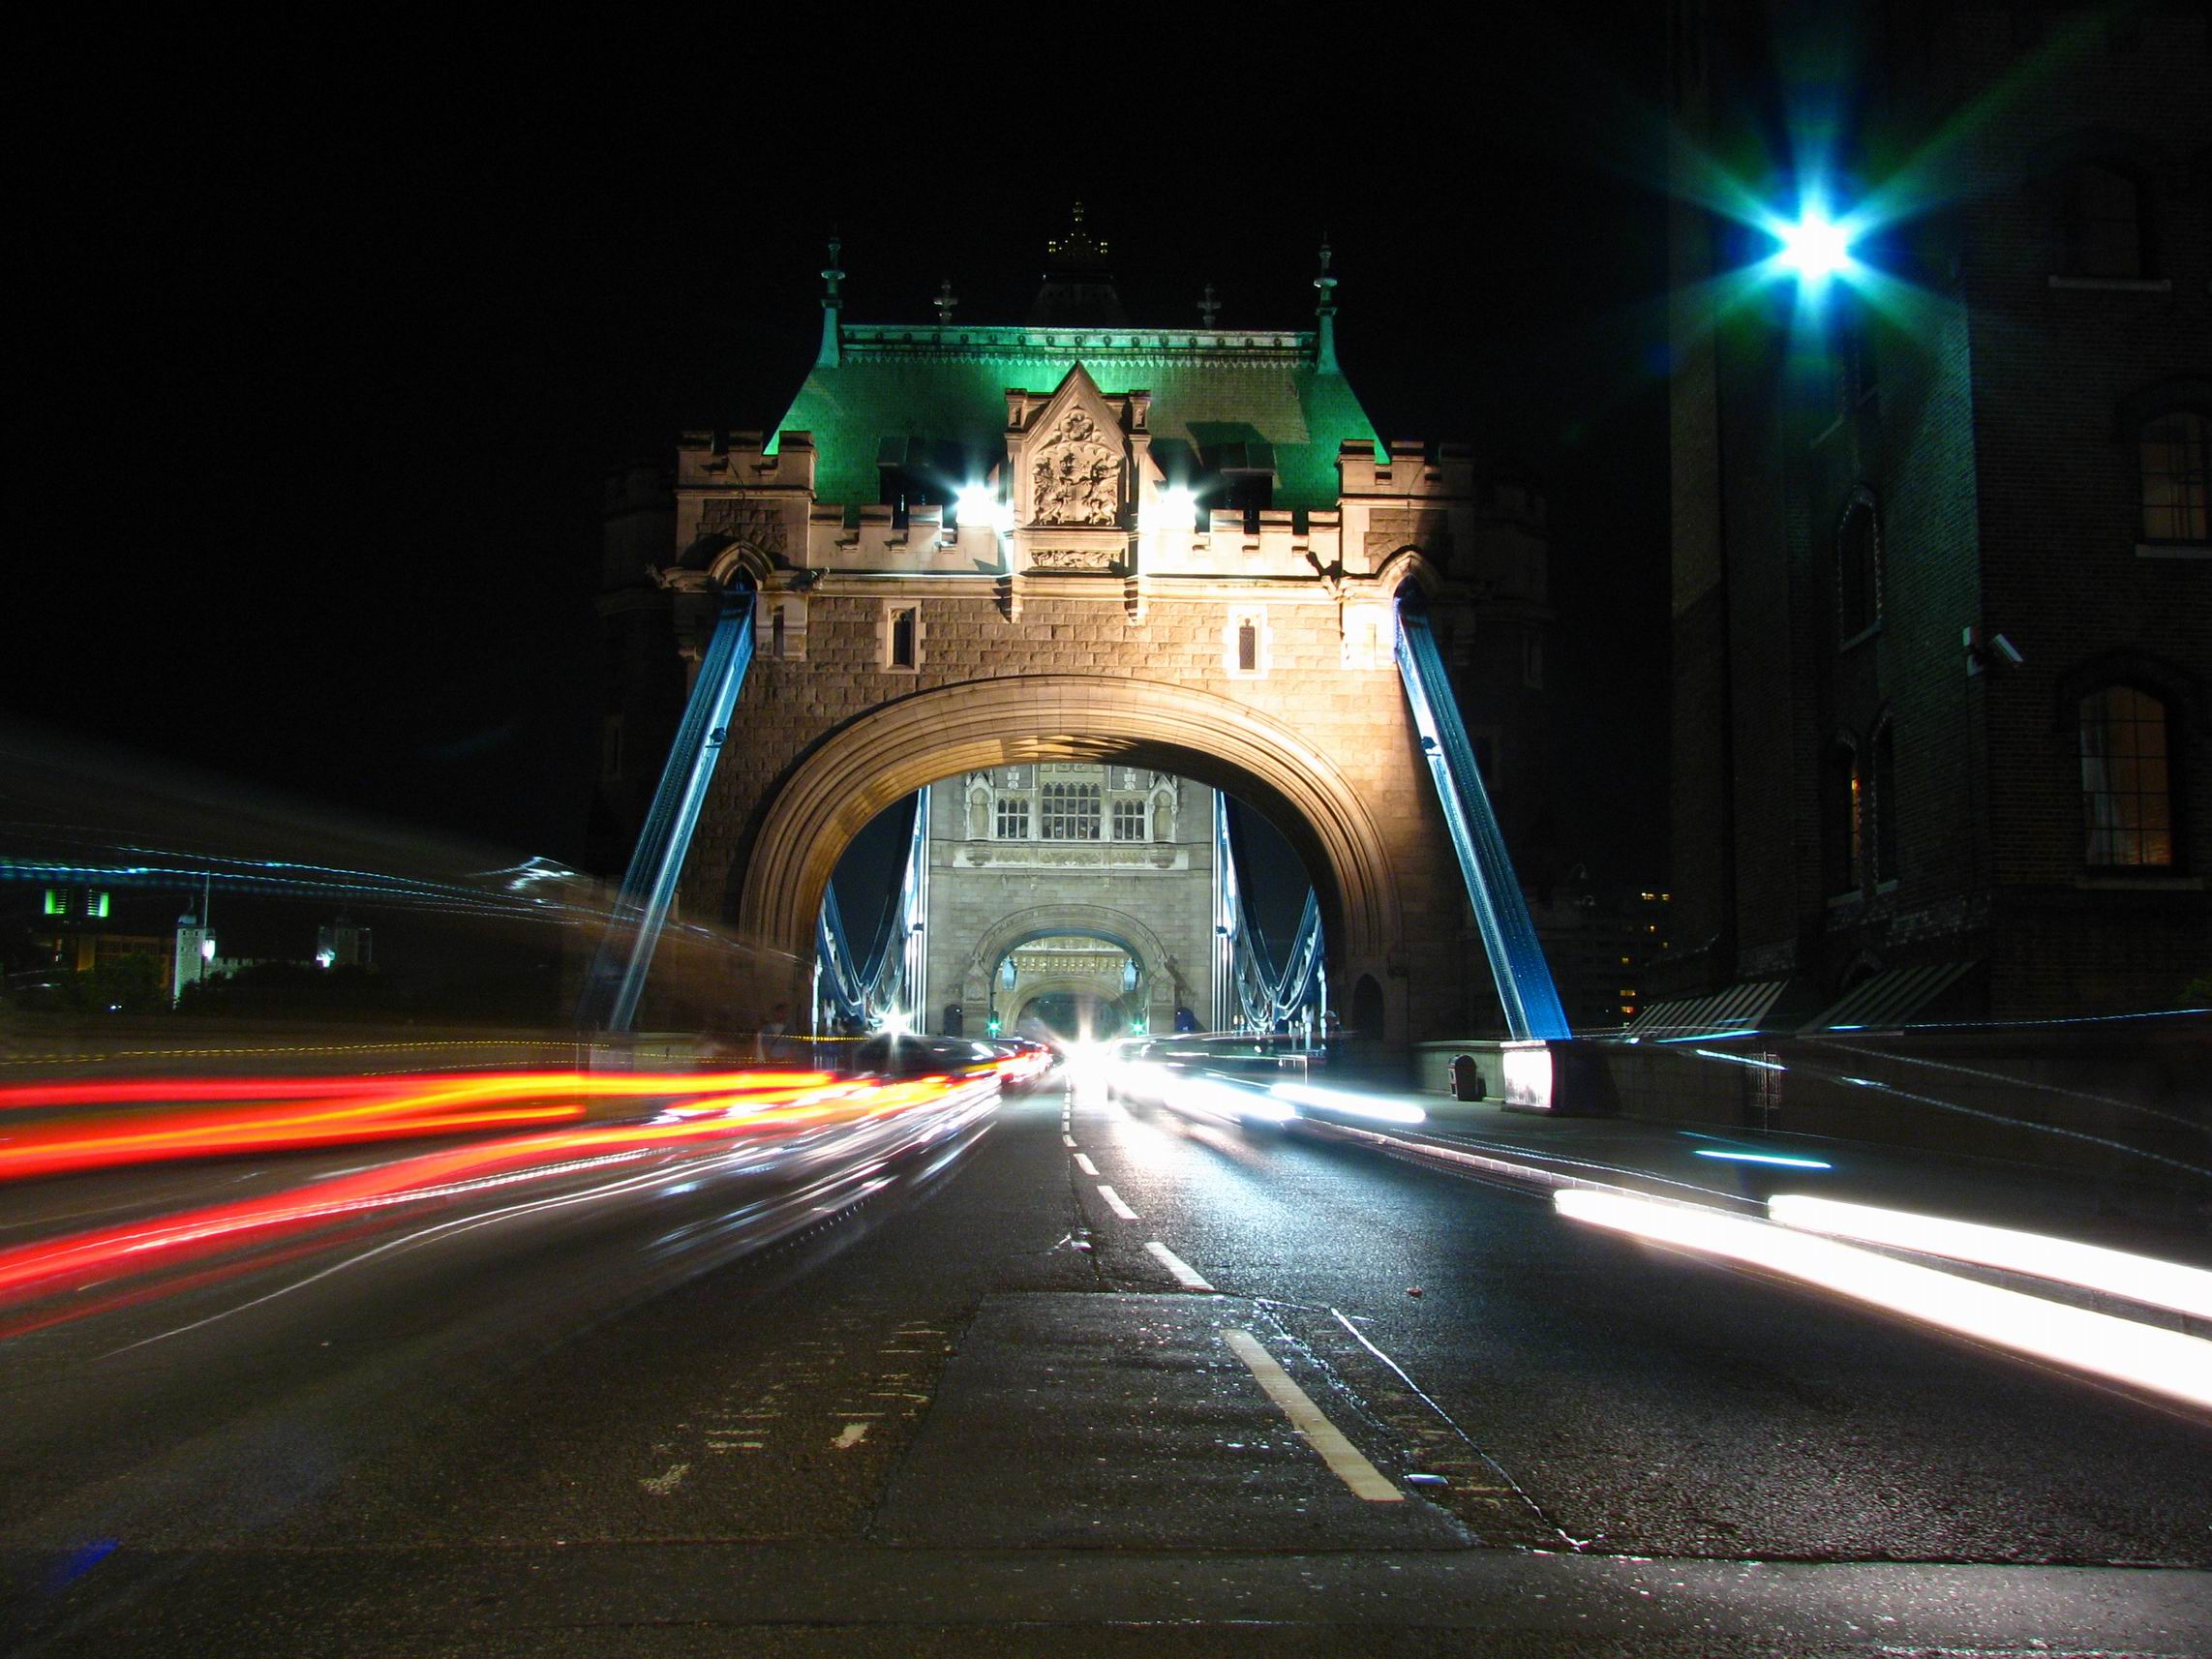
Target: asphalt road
[[946, 1397]]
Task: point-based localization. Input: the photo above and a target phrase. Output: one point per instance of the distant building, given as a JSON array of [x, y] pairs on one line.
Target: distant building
[[1603, 951], [85, 929], [344, 944], [1942, 609]]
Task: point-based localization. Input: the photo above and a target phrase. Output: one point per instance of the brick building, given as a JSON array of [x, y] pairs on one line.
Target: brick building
[[1942, 601]]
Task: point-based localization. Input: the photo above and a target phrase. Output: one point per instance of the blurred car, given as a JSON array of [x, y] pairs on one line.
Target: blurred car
[[1023, 1064], [902, 1054], [1193, 1079]]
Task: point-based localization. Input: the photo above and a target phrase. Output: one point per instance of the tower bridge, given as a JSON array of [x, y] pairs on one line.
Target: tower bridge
[[1171, 553]]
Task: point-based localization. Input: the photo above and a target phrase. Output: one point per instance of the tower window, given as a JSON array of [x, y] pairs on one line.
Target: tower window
[[610, 748], [902, 637], [2126, 800], [1069, 811], [2176, 455], [1013, 818], [1245, 642], [1129, 821]]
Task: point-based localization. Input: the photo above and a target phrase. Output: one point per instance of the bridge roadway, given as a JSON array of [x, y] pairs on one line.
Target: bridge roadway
[[970, 1408]]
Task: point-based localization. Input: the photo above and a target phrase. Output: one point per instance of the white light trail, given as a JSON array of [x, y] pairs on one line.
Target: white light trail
[[2163, 1362], [1765, 1157], [2093, 1267], [1370, 1106]]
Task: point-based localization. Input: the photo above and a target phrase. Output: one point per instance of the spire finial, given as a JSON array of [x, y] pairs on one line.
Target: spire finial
[[833, 349], [945, 301], [1326, 340], [1208, 307]]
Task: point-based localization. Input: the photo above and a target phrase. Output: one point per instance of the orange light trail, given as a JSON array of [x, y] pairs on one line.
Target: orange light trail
[[302, 1113], [794, 1101]]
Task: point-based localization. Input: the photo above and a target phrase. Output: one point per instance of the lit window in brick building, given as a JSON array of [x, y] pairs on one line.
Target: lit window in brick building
[[1885, 804], [2177, 477], [1843, 833], [2125, 798]]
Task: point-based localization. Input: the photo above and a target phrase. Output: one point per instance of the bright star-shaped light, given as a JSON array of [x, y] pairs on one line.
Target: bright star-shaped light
[[1814, 246]]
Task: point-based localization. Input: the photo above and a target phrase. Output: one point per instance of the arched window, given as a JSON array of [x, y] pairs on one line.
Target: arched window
[[2175, 451], [1857, 568], [1885, 804], [2126, 800], [2100, 221], [1843, 813]]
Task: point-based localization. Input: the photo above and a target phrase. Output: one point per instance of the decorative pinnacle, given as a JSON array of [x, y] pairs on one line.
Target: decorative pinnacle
[[1325, 282], [1209, 306], [945, 302], [833, 276]]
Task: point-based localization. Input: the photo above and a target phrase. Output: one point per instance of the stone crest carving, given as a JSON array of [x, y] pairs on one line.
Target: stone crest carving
[[1071, 559], [753, 523], [1075, 474]]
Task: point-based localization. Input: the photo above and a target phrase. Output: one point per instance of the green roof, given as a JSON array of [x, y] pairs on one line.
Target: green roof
[[941, 390]]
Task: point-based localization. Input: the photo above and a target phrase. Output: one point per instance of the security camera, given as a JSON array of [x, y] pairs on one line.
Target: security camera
[[1980, 654]]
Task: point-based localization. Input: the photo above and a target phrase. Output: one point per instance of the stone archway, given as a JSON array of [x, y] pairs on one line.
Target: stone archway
[[1157, 968], [896, 748], [1074, 989]]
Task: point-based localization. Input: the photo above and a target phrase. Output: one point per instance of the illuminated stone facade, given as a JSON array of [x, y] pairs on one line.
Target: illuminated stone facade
[[1069, 850], [1175, 549]]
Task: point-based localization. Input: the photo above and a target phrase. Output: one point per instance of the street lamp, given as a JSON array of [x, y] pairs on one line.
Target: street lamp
[[1817, 247]]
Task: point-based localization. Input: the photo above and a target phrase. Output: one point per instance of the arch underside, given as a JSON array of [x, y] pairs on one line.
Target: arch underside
[[897, 749], [1078, 991], [1025, 926]]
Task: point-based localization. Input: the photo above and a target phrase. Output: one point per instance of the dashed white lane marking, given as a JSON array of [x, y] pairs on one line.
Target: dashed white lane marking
[[1342, 1457], [851, 1435], [1067, 1140], [1113, 1202], [1187, 1276], [1085, 1164], [660, 1485]]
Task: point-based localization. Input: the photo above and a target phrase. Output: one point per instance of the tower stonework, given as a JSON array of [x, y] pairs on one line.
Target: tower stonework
[[1172, 551], [1070, 851]]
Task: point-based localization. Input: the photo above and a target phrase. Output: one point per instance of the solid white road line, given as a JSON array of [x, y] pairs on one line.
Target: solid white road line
[[1187, 1276], [1325, 1437], [1085, 1164], [1113, 1202]]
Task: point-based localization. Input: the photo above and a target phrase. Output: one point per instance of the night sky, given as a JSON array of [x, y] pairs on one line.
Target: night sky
[[326, 344]]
